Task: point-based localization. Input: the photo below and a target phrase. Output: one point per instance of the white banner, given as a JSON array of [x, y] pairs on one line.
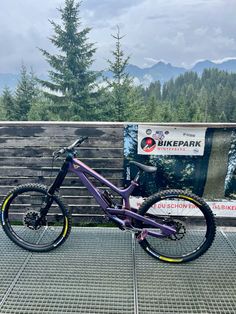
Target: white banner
[[222, 208], [155, 140]]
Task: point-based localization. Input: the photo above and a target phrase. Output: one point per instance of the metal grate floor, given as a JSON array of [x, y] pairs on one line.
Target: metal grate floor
[[103, 270]]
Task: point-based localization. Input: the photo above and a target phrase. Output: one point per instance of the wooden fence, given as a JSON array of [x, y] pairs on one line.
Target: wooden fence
[[26, 157]]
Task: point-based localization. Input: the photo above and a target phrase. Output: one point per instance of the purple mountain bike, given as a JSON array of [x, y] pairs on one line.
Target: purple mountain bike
[[173, 225]]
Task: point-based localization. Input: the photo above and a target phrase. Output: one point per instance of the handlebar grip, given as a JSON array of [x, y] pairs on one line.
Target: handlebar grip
[[75, 144], [82, 139]]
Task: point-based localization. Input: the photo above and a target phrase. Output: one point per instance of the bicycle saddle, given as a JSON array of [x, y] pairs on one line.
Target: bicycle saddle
[[144, 167]]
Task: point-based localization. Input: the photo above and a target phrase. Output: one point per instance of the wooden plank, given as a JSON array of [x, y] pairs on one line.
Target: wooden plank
[[60, 131], [82, 205], [64, 190], [75, 209], [115, 124], [81, 218], [29, 151], [57, 142], [38, 171], [86, 209], [68, 181], [68, 200], [47, 162]]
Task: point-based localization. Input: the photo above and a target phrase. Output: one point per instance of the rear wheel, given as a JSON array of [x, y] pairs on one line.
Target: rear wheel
[[20, 213], [189, 215]]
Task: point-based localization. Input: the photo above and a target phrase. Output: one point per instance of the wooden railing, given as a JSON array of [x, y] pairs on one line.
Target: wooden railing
[[26, 157]]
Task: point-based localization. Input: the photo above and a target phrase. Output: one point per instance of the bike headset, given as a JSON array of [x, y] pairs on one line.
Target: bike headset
[[71, 152]]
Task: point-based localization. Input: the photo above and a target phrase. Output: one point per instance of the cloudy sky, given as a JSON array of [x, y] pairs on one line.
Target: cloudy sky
[[176, 31]]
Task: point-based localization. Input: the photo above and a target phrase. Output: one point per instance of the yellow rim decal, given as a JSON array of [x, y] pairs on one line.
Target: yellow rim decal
[[6, 201], [66, 227], [172, 260], [190, 199]]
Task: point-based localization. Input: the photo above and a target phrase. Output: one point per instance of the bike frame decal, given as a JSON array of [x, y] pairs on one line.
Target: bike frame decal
[[163, 258], [4, 206], [6, 201], [66, 227], [172, 260], [190, 199]]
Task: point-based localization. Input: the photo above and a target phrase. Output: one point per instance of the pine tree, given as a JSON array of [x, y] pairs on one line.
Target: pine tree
[[25, 93], [71, 79], [124, 96], [153, 90], [42, 109], [8, 105]]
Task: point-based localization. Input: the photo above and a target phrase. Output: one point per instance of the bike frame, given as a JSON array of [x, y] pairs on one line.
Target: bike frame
[[82, 171]]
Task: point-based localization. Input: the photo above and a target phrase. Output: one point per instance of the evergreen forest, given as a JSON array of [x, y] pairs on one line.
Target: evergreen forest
[[74, 92]]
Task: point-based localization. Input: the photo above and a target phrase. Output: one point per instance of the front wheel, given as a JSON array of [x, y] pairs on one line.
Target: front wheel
[[20, 213], [189, 215]]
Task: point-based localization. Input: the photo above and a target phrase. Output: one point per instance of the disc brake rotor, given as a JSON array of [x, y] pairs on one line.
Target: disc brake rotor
[[180, 230], [30, 219]]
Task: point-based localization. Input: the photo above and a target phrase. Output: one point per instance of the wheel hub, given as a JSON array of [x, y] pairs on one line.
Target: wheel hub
[[30, 220], [180, 230]]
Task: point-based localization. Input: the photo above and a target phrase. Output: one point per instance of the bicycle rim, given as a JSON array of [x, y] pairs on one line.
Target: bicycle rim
[[20, 213], [189, 216]]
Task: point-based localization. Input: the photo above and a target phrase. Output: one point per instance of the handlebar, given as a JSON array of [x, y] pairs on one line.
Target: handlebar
[[70, 148]]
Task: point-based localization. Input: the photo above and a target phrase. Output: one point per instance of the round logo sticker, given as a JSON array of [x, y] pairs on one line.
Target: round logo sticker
[[148, 144]]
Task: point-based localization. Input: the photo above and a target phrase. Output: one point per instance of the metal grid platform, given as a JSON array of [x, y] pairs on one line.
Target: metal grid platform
[[103, 270]]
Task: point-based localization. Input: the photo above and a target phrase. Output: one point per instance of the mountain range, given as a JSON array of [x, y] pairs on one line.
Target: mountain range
[[165, 71], [160, 71]]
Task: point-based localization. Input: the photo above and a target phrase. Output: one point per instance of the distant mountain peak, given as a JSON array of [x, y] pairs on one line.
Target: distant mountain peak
[[161, 71], [200, 66], [161, 63], [164, 71], [206, 61]]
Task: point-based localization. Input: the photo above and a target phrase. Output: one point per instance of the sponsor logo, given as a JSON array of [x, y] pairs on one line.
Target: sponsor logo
[[148, 131], [159, 135], [170, 141], [179, 143], [148, 144]]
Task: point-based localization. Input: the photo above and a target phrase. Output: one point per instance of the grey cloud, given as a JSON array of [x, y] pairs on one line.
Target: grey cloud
[[109, 8], [157, 17], [175, 31]]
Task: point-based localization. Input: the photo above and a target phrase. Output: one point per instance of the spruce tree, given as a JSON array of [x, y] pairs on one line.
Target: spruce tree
[[26, 91], [126, 99], [71, 80], [8, 105]]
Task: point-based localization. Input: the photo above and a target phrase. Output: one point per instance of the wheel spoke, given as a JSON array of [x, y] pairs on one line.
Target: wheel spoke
[[188, 215], [24, 224]]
